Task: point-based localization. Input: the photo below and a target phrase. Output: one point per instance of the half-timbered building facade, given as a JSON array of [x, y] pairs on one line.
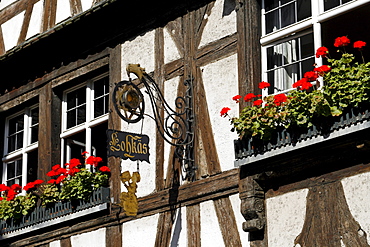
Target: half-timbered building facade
[[61, 62]]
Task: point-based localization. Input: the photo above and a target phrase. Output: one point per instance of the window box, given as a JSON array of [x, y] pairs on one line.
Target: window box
[[56, 213], [251, 149]]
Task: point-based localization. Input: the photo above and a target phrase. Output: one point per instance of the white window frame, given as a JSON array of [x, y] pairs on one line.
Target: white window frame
[[27, 146], [90, 121], [318, 16]]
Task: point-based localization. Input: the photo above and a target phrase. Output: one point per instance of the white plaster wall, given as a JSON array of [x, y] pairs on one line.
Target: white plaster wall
[[210, 232], [35, 21], [171, 52], [356, 190], [147, 170], [63, 10], [54, 244], [11, 30], [221, 84], [235, 202], [91, 239], [86, 4], [285, 217], [140, 232], [5, 3], [140, 50], [179, 234], [221, 22]]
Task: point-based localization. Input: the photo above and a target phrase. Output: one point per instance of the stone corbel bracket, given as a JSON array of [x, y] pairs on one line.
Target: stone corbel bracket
[[252, 196]]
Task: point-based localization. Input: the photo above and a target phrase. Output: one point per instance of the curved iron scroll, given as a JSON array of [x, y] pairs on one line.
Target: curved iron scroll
[[175, 126]]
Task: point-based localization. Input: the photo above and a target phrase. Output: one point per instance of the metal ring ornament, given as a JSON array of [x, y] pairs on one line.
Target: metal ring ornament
[[128, 99]]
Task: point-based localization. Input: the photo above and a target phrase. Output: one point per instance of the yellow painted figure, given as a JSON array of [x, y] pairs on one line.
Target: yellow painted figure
[[129, 199]]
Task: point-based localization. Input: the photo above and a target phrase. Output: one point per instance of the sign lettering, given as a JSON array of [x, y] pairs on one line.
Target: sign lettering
[[128, 145]]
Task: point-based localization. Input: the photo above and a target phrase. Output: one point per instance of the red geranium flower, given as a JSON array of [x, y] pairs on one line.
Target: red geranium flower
[[3, 187], [279, 98], [92, 160], [311, 75], [16, 187], [303, 84], [224, 111], [84, 152], [359, 44], [249, 97], [341, 41], [237, 98], [60, 179], [263, 85], [322, 51], [33, 184], [257, 102], [11, 195], [104, 169], [51, 181], [322, 69], [74, 162]]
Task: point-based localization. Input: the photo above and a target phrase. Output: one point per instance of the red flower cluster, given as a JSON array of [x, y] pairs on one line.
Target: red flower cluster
[[279, 98], [341, 41], [322, 70], [32, 185], [258, 102], [311, 75], [10, 192], [302, 84], [359, 44], [237, 98], [249, 97], [224, 111], [263, 85], [104, 169], [56, 171], [322, 51], [94, 161]]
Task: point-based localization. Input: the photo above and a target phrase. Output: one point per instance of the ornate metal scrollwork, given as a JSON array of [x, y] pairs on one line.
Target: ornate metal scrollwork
[[176, 126]]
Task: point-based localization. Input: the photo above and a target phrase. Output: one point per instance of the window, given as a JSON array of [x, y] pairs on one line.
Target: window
[[84, 119], [20, 150], [292, 30]]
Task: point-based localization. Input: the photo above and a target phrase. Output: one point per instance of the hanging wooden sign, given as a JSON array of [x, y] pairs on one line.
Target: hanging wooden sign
[[128, 145]]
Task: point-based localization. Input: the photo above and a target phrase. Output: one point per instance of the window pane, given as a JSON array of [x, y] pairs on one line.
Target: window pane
[[288, 15], [328, 4], [271, 4], [75, 145], [16, 124], [71, 118], [307, 47], [32, 160], [101, 90], [287, 61], [81, 114], [272, 21], [10, 170], [34, 125], [304, 9]]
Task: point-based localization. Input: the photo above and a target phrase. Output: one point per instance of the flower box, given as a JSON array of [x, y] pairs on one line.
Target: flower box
[[252, 149], [55, 213]]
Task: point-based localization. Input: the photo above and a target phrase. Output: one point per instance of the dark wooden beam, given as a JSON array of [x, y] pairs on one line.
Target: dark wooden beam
[[248, 48], [114, 121]]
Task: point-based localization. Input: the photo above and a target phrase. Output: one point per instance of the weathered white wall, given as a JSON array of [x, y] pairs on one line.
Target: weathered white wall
[[179, 235], [285, 217], [221, 22], [141, 50], [140, 232], [11, 30], [5, 3], [91, 239], [356, 190], [171, 52], [54, 244], [210, 232], [221, 84]]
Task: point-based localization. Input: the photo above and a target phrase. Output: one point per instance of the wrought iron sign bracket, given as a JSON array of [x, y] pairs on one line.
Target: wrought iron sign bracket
[[176, 125]]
